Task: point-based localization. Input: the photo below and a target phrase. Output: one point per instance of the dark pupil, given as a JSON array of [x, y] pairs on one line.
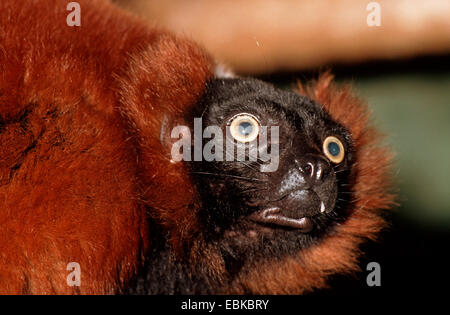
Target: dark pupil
[[245, 128], [334, 149]]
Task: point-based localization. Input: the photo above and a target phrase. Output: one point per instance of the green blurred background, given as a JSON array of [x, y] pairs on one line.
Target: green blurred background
[[413, 109]]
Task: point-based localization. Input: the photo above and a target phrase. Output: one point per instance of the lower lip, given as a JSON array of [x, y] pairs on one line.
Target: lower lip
[[273, 216]]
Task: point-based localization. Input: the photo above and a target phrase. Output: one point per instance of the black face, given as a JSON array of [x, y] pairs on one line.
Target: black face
[[249, 210]]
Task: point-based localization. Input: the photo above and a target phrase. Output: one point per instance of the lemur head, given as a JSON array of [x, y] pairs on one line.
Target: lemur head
[[279, 176], [281, 187]]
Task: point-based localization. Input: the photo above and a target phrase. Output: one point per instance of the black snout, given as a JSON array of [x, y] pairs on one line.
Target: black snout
[[307, 189]]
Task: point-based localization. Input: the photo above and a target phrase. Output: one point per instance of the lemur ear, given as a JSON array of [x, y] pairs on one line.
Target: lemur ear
[[176, 138]]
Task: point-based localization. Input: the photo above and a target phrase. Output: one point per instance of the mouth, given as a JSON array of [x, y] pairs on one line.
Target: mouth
[[273, 216]]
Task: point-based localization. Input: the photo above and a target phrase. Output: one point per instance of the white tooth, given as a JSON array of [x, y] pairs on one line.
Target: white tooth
[[322, 207]]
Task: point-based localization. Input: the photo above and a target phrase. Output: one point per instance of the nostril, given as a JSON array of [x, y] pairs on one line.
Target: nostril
[[308, 169]]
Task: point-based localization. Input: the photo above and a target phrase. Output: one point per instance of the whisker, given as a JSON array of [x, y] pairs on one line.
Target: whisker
[[260, 162], [204, 110], [246, 164], [340, 171], [231, 176]]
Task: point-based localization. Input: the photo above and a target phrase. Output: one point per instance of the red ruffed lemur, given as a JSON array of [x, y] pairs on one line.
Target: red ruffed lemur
[[88, 175]]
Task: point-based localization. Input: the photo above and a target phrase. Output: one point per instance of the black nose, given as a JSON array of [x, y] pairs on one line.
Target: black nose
[[314, 168]]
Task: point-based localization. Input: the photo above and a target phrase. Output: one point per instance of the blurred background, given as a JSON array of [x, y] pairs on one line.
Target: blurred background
[[396, 53]]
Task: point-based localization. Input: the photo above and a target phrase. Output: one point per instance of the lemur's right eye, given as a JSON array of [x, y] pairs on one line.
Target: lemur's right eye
[[244, 127]]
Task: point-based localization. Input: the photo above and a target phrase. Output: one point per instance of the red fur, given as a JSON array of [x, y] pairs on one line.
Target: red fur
[[82, 155], [70, 175]]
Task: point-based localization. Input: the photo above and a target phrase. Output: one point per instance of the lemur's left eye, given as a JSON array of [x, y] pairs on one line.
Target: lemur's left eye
[[244, 127], [334, 149]]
